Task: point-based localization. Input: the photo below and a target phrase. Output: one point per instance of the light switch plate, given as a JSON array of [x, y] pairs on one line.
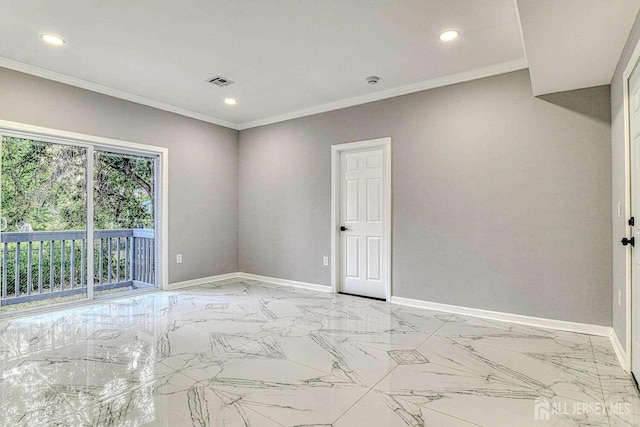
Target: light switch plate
[[619, 298]]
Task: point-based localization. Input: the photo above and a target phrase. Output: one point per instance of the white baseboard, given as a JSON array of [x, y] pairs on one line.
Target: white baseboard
[[201, 281], [583, 328], [284, 282], [562, 325], [620, 351]]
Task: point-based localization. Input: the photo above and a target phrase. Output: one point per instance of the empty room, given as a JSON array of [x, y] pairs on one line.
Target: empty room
[[336, 213]]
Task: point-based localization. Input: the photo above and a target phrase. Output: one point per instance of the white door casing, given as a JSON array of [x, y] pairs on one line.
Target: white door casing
[[625, 354], [361, 191], [634, 139]]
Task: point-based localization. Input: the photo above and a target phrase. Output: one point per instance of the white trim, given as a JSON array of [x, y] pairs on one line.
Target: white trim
[[106, 90], [163, 280], [249, 276], [285, 282], [465, 76], [633, 60], [562, 325], [617, 347], [336, 149], [43, 133], [79, 138], [201, 281], [90, 220], [480, 73]]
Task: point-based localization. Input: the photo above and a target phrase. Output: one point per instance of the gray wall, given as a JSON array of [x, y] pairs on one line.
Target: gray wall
[[618, 185], [500, 200], [203, 162]]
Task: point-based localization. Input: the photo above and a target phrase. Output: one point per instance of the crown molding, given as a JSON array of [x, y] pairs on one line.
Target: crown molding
[[493, 70], [106, 90]]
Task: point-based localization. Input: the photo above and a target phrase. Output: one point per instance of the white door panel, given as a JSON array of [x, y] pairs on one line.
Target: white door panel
[[374, 199], [373, 258], [362, 256], [352, 254], [352, 201]]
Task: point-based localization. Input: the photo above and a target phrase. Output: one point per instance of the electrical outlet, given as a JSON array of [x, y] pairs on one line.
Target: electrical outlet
[[179, 259], [619, 297], [325, 260]]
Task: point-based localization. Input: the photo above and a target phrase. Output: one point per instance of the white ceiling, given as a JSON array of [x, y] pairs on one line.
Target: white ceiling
[[572, 44], [291, 58], [287, 57]]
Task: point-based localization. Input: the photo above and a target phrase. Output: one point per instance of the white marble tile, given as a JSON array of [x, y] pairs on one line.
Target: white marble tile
[[488, 397], [75, 419], [282, 390], [175, 401], [539, 364], [620, 393], [478, 365], [241, 352], [26, 399], [380, 409], [89, 375]]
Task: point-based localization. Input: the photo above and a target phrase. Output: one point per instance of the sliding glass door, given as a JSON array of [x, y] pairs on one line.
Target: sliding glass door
[[44, 216], [124, 220], [56, 197]]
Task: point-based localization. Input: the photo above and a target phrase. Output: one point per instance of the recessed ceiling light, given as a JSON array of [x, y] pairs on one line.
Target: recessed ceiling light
[[230, 101], [51, 39], [449, 35]]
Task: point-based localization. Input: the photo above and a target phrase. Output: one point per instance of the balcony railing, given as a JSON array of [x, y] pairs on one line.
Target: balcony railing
[[49, 264]]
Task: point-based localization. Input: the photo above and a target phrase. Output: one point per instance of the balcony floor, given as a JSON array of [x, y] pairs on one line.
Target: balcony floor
[[240, 352]]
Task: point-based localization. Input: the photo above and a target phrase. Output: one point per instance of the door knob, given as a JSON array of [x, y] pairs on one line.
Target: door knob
[[626, 241], [343, 228]]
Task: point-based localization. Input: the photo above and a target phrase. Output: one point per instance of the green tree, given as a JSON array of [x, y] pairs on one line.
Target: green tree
[[43, 188], [124, 191]]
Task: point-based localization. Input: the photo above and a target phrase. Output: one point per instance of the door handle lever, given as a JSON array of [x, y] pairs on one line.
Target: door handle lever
[[343, 228], [626, 241]]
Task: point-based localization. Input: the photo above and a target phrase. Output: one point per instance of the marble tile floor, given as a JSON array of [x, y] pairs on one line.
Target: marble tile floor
[[247, 353]]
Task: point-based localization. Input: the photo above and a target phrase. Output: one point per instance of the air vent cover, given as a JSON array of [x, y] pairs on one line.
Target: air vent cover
[[220, 81]]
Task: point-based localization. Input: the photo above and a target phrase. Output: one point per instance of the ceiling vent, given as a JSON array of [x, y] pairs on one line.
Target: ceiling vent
[[220, 81]]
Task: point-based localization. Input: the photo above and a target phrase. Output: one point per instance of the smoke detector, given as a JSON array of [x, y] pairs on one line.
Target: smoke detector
[[373, 80], [220, 81]]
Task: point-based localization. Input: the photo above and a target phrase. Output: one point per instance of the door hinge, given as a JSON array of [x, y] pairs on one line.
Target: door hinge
[[632, 221]]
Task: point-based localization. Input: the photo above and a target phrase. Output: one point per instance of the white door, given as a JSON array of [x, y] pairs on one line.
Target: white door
[[363, 258], [634, 115]]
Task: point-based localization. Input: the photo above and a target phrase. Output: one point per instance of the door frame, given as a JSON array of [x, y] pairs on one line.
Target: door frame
[[626, 75], [91, 142], [336, 150]]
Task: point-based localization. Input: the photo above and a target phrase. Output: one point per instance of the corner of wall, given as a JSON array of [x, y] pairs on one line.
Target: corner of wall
[[238, 206]]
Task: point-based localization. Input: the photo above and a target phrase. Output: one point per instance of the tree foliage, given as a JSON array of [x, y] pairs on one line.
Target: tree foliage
[[123, 188], [44, 188]]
